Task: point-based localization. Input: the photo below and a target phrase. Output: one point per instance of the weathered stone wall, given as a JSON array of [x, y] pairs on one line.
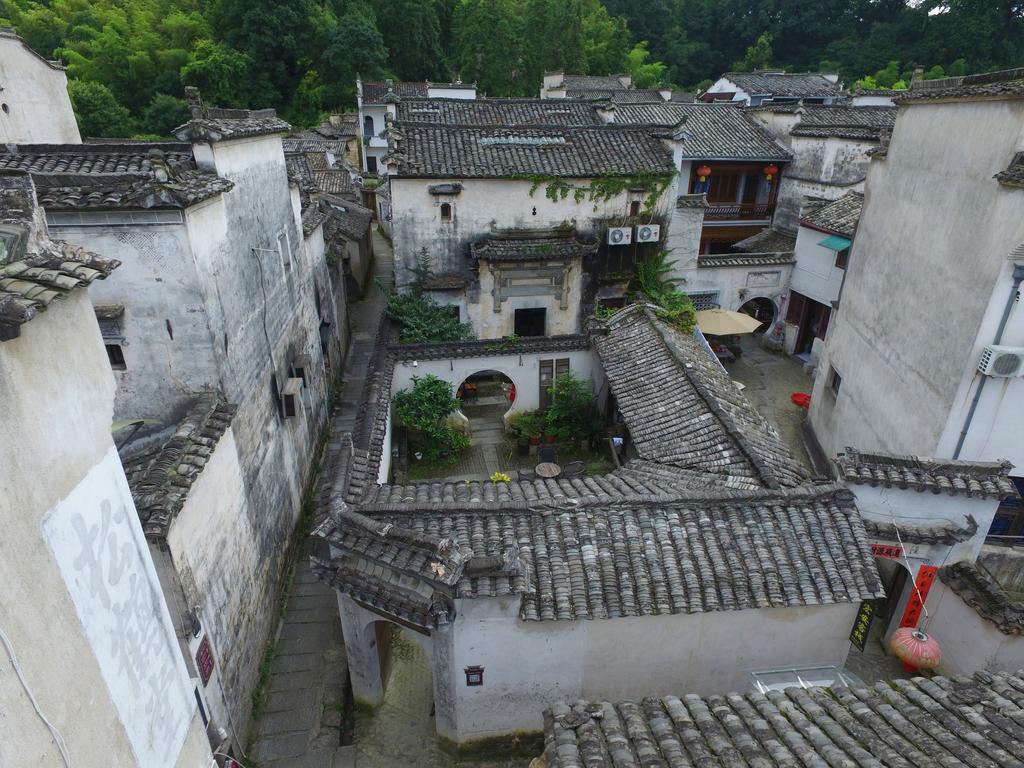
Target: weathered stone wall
[[36, 105], [263, 318], [826, 168], [169, 351], [90, 630]]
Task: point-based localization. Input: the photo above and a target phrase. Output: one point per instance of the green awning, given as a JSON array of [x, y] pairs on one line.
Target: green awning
[[835, 243]]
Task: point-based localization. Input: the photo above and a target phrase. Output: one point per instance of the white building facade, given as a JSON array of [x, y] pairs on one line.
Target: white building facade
[[34, 103]]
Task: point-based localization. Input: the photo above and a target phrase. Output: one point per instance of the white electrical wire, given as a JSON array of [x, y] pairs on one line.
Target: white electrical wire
[[57, 738]]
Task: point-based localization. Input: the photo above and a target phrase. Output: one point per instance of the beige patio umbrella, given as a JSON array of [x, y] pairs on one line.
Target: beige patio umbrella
[[724, 322]]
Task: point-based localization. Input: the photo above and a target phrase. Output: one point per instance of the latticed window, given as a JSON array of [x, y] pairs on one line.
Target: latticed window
[[704, 300]]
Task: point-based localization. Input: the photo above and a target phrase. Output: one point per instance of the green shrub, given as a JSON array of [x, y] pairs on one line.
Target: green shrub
[[572, 407], [423, 410], [658, 287], [421, 319]]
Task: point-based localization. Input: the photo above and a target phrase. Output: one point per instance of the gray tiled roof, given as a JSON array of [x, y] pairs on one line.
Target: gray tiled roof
[[710, 131], [1003, 84], [628, 96], [984, 596], [794, 84], [375, 93], [941, 721], [528, 246], [768, 259], [768, 240], [73, 176], [497, 112], [31, 281], [593, 83], [980, 479], [160, 477], [570, 152], [346, 219], [682, 408], [1013, 176], [946, 533], [312, 217], [214, 124], [838, 216], [797, 547], [843, 115]]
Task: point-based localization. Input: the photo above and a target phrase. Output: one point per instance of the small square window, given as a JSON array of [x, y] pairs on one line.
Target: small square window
[[634, 208], [841, 258], [286, 251], [835, 381], [474, 675], [116, 357], [446, 211]]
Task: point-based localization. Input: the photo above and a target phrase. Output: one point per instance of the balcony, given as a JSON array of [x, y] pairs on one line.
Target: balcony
[[739, 211]]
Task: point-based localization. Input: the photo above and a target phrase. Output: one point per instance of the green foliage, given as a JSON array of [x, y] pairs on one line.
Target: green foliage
[[759, 55], [163, 114], [527, 424], [646, 74], [423, 409], [421, 319], [98, 112], [572, 407], [603, 188], [654, 282], [302, 56]]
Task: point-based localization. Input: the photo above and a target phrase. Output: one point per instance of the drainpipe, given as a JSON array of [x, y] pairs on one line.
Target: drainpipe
[[1018, 276]]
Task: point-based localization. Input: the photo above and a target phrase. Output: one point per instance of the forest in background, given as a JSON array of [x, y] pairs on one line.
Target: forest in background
[[129, 60]]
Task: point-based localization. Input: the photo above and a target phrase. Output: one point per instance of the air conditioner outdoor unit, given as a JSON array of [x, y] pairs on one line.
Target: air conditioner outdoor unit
[[648, 233], [1002, 362], [620, 235]]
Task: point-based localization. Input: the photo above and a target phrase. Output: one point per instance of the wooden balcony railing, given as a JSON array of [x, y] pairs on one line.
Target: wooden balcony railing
[[738, 211]]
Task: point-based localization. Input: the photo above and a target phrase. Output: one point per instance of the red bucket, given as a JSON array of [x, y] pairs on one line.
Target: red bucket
[[801, 398]]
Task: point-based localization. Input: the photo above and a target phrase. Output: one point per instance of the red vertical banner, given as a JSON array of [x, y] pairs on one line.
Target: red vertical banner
[[915, 605]]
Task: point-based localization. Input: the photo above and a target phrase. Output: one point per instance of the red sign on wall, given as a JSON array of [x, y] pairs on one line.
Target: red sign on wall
[[204, 660], [915, 605], [892, 551]]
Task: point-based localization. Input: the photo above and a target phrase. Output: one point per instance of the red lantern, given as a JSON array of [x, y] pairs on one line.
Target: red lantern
[[703, 172], [916, 649], [770, 171]]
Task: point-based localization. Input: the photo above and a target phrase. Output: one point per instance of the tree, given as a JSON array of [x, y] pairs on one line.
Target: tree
[[223, 75], [99, 113], [274, 36], [759, 55], [354, 47], [412, 34], [605, 40], [645, 74], [163, 114], [488, 46], [423, 409]]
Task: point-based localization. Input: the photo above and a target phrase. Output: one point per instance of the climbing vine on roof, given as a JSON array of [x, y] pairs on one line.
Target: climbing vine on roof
[[603, 188]]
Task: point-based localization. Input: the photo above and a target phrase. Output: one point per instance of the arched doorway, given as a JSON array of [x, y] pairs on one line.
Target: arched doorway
[[486, 397], [403, 728], [763, 309]]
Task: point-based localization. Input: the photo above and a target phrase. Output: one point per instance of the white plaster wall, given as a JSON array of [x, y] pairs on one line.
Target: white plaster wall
[[826, 168], [111, 679], [724, 84], [996, 427], [969, 642], [934, 241], [158, 285], [815, 273], [872, 101], [529, 665], [489, 323], [523, 370], [36, 105], [482, 205], [213, 547], [435, 92], [908, 507]]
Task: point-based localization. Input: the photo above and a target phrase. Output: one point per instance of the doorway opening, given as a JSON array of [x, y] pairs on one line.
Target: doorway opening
[[761, 309], [486, 397], [531, 322]]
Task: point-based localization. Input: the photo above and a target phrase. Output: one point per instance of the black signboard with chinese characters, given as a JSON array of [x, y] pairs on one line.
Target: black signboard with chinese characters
[[862, 624]]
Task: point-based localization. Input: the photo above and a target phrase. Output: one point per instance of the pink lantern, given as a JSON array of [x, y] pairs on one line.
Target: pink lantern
[[916, 649]]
